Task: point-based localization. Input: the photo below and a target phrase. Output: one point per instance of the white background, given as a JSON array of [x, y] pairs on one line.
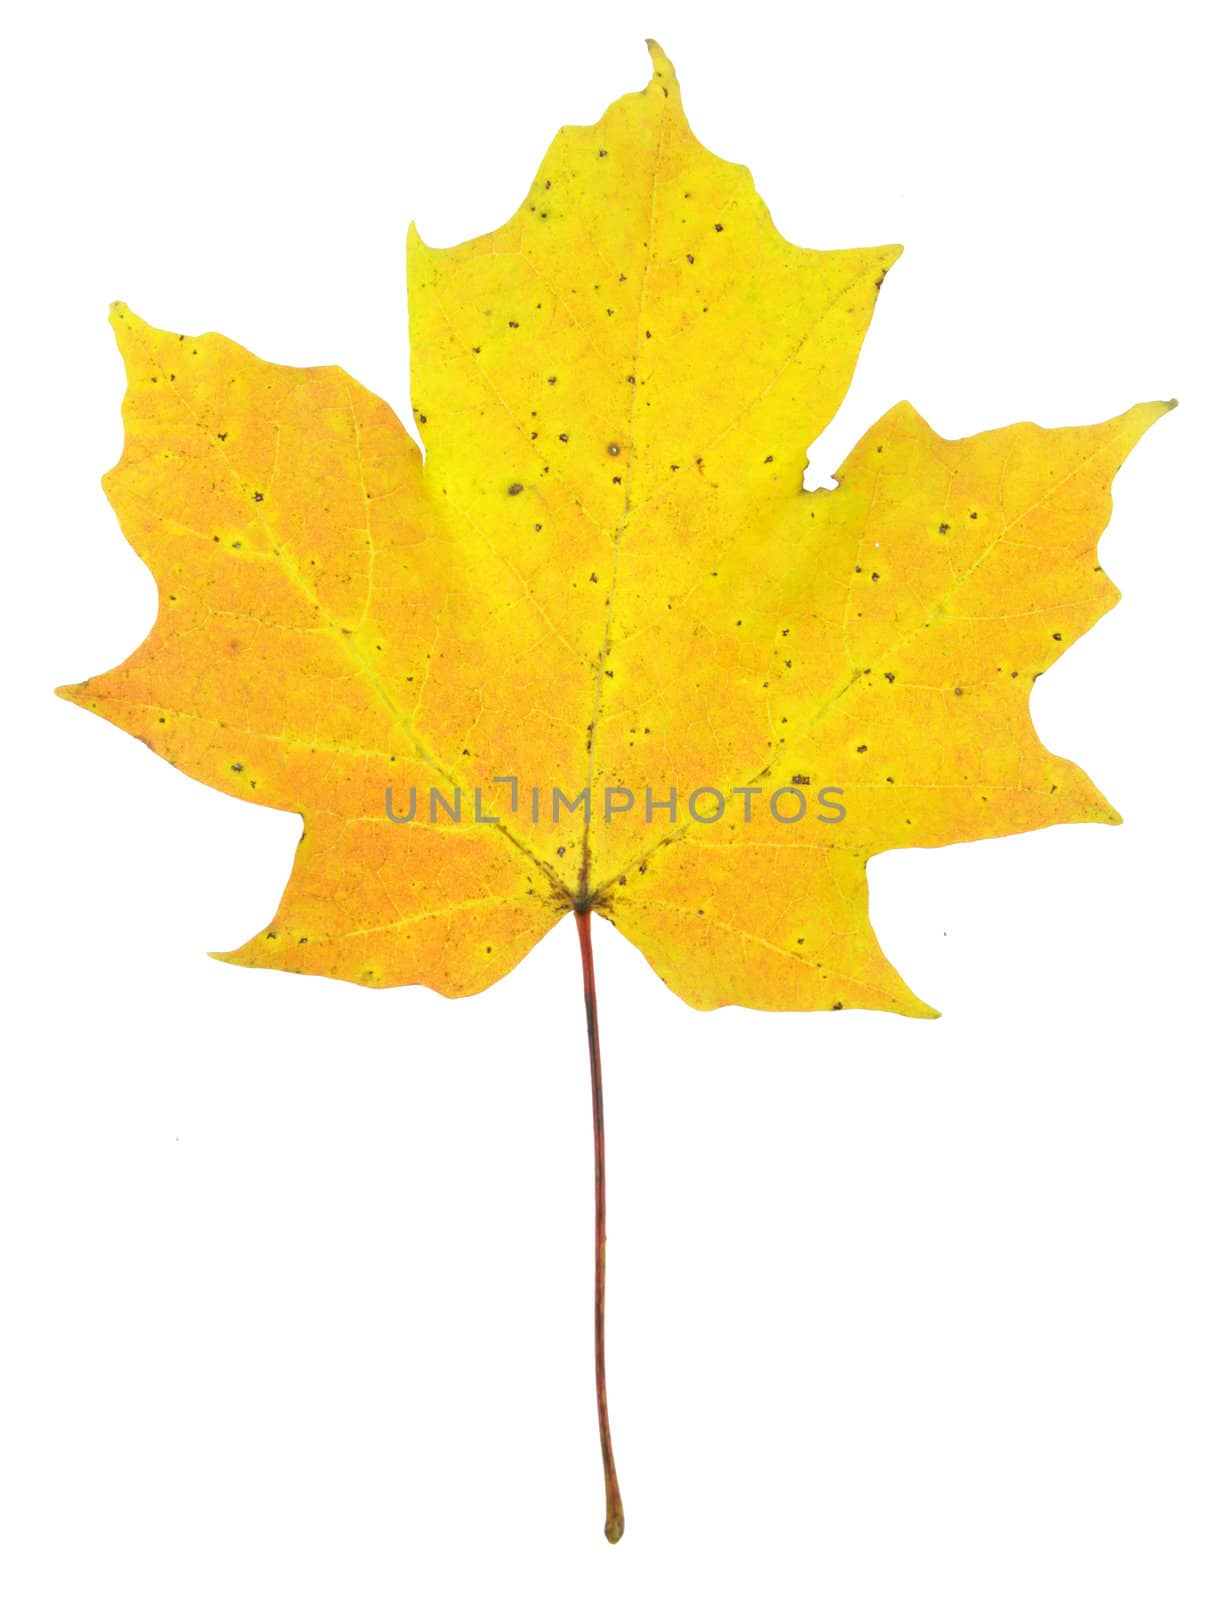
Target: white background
[[295, 1276]]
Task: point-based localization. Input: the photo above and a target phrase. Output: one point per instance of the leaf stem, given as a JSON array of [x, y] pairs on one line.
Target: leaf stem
[[614, 1524]]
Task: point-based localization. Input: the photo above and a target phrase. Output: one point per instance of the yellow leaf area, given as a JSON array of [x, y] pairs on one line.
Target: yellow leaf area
[[605, 578]]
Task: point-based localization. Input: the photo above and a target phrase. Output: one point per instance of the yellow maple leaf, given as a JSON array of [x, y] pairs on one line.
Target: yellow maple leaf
[[600, 649], [605, 579]]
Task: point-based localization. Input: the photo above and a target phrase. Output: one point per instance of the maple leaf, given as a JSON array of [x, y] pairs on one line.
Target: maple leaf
[[603, 611]]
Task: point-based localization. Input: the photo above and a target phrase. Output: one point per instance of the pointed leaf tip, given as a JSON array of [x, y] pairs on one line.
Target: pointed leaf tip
[[919, 1009], [664, 72], [231, 958], [125, 324], [1143, 416]]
